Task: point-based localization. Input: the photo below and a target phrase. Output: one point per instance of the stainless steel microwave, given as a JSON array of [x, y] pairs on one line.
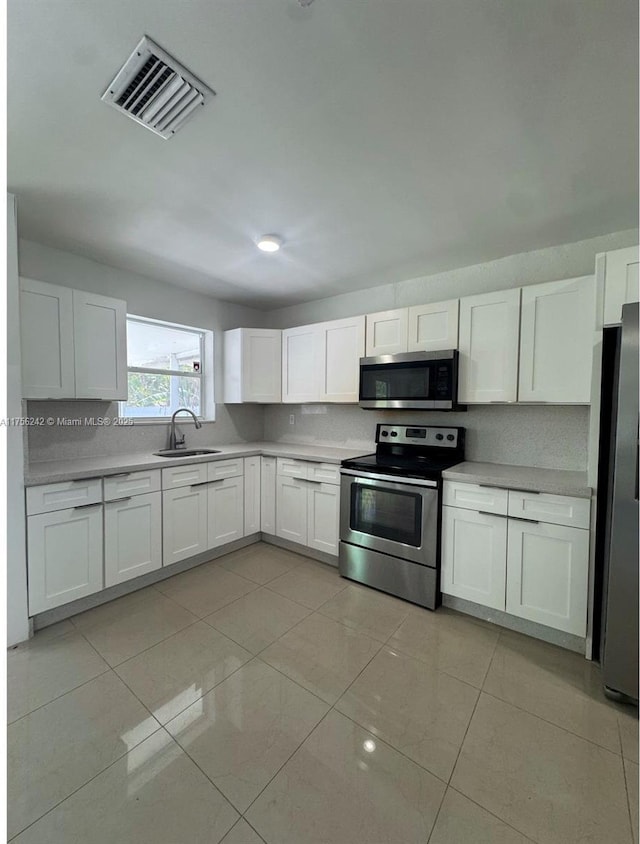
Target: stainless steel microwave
[[411, 381]]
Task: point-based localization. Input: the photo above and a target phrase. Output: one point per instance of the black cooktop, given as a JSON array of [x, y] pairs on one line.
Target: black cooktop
[[411, 467], [417, 451]]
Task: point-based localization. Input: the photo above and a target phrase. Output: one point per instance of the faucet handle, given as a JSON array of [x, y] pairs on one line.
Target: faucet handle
[[180, 440]]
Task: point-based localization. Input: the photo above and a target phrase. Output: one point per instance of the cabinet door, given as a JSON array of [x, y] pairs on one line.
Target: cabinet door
[[100, 340], [474, 556], [268, 495], [261, 365], [64, 556], [225, 506], [488, 343], [556, 341], [46, 331], [547, 574], [342, 346], [252, 494], [300, 359], [387, 332], [433, 328], [184, 523], [291, 509], [132, 537], [323, 507], [621, 282]]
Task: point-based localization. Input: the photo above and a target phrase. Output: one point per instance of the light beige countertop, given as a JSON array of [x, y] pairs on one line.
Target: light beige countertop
[[554, 481], [54, 471]]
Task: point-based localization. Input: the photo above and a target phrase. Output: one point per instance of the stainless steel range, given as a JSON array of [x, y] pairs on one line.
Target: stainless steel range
[[390, 510]]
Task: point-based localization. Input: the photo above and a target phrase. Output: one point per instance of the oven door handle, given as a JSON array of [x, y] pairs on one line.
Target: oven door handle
[[390, 479]]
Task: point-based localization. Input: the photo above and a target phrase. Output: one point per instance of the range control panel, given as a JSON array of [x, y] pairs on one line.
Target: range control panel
[[424, 435]]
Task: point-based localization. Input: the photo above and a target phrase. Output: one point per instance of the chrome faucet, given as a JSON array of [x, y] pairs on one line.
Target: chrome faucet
[[178, 442]]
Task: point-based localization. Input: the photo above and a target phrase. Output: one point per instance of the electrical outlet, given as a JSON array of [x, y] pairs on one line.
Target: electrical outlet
[[292, 419]]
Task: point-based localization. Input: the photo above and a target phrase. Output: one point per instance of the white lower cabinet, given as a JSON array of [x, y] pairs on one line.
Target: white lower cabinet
[[534, 569], [307, 508], [225, 511], [184, 523], [268, 495], [322, 517], [474, 549], [65, 556], [132, 537], [252, 493], [547, 574], [291, 509]]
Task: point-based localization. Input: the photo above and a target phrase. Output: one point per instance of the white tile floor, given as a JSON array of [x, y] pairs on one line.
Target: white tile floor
[[262, 698]]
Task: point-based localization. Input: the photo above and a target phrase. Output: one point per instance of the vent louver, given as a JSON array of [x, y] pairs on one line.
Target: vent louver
[[156, 91]]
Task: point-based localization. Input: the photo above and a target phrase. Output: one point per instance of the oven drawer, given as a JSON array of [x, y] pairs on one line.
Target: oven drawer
[[489, 499], [552, 509]]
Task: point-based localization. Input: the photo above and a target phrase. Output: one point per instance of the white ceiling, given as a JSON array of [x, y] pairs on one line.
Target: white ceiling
[[383, 139]]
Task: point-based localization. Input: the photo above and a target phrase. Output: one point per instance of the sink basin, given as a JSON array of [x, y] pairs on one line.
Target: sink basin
[[185, 452]]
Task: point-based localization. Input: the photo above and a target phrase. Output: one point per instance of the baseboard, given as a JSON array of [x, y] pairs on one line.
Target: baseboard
[[49, 617], [519, 625], [288, 545]]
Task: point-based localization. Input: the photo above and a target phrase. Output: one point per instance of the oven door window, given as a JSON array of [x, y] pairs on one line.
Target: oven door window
[[386, 513]]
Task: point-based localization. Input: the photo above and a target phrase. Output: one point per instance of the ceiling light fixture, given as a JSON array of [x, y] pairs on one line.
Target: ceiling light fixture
[[269, 242]]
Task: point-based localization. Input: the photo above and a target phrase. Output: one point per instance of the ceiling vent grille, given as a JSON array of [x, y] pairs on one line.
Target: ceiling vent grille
[[155, 91]]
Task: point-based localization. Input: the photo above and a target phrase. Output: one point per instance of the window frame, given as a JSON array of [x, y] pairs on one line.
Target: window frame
[[206, 371]]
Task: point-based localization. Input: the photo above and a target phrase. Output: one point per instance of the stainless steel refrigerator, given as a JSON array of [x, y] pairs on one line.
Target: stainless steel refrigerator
[[619, 643]]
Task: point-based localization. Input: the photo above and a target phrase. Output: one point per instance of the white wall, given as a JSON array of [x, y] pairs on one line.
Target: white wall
[[567, 261], [145, 297], [17, 616]]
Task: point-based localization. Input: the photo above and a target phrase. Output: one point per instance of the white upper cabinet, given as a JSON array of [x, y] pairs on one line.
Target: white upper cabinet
[[320, 362], [433, 327], [74, 344], [252, 365], [621, 282], [100, 345], [387, 332], [46, 326], [488, 343], [300, 358], [556, 341], [341, 347]]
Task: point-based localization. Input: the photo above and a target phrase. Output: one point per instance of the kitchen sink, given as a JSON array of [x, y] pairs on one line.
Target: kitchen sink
[[185, 452]]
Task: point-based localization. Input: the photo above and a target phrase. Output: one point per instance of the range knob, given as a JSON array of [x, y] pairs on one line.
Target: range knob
[[450, 437], [394, 433], [385, 433], [439, 437]]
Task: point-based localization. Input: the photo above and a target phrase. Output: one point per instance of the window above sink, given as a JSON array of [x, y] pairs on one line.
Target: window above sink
[[168, 366]]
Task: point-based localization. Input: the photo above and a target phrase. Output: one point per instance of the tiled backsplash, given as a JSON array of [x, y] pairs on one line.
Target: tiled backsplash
[[234, 423], [548, 437]]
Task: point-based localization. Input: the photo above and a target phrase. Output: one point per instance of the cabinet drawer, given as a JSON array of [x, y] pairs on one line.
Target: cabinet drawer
[[225, 469], [552, 509], [289, 468], [132, 483], [62, 496], [326, 473], [489, 499], [178, 476]]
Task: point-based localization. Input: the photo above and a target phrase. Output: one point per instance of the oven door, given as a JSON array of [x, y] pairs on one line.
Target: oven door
[[399, 518]]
